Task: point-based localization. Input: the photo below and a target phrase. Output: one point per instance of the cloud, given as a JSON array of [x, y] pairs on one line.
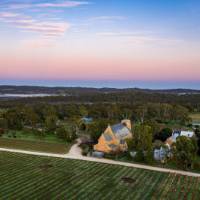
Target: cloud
[[46, 24], [29, 24], [8, 15], [124, 34], [67, 4], [60, 4], [107, 18], [139, 37]]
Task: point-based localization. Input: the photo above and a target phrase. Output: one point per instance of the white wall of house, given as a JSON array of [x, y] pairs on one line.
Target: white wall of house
[[189, 134]]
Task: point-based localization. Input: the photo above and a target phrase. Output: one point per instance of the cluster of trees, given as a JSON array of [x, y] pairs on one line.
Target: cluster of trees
[[197, 134], [48, 114], [142, 143], [91, 95], [185, 152], [162, 113], [65, 134], [49, 118], [41, 119]]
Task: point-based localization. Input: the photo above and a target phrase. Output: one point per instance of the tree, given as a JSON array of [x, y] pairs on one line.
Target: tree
[[141, 113], [95, 129], [163, 134], [1, 131], [3, 123], [83, 111], [62, 133], [76, 120], [155, 126], [158, 144], [197, 133], [31, 117], [14, 119], [143, 143], [130, 144], [185, 151], [180, 114], [65, 134], [50, 123]]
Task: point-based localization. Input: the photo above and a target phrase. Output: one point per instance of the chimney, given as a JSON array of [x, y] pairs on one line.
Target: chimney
[[127, 123]]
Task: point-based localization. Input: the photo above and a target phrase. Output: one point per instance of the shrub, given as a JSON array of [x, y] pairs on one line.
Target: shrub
[[1, 131], [65, 134], [163, 134], [85, 149], [196, 165]]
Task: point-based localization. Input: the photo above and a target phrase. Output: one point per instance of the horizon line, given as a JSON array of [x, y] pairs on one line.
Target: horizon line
[[98, 87]]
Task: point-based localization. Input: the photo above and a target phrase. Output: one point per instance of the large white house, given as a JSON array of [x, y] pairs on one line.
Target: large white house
[[176, 134], [160, 154]]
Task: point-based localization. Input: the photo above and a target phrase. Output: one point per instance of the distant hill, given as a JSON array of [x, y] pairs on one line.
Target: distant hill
[[10, 89]]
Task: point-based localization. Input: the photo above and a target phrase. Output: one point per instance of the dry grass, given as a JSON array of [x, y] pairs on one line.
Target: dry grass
[[34, 146]]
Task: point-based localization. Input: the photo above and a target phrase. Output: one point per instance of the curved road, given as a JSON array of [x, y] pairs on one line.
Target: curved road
[[75, 153]]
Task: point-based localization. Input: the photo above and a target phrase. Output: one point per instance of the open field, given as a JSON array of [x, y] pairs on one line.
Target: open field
[[31, 136], [33, 177], [34, 145], [195, 117]]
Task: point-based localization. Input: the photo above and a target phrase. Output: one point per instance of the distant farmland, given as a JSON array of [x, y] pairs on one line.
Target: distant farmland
[[33, 177]]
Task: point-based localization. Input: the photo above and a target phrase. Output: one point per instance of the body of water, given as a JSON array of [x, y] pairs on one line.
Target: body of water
[[25, 95]]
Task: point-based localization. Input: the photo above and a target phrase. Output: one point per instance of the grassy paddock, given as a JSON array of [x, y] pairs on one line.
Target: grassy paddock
[[33, 177], [195, 117], [34, 145], [31, 136]]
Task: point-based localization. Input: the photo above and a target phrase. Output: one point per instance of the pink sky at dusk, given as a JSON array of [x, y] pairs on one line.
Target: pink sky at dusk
[[89, 40], [100, 68]]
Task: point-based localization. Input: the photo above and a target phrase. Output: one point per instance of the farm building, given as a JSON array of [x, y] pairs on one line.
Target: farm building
[[114, 138]]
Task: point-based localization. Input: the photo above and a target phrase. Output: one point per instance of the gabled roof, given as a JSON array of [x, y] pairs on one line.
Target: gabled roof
[[120, 130]]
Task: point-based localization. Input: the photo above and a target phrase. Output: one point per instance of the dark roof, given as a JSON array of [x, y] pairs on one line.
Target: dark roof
[[113, 146], [87, 120], [120, 130], [107, 137]]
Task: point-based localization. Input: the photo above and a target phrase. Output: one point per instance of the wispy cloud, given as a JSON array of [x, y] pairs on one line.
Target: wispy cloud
[[29, 24], [124, 34], [8, 15], [58, 4], [107, 18], [140, 37], [48, 24]]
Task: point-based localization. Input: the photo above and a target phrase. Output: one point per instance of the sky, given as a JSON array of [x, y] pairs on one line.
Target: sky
[[115, 43]]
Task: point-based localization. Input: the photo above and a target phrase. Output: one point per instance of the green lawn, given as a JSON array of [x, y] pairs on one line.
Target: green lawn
[[34, 145], [31, 136], [33, 177]]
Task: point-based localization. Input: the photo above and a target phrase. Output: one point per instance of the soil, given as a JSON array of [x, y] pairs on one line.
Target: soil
[[128, 180]]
